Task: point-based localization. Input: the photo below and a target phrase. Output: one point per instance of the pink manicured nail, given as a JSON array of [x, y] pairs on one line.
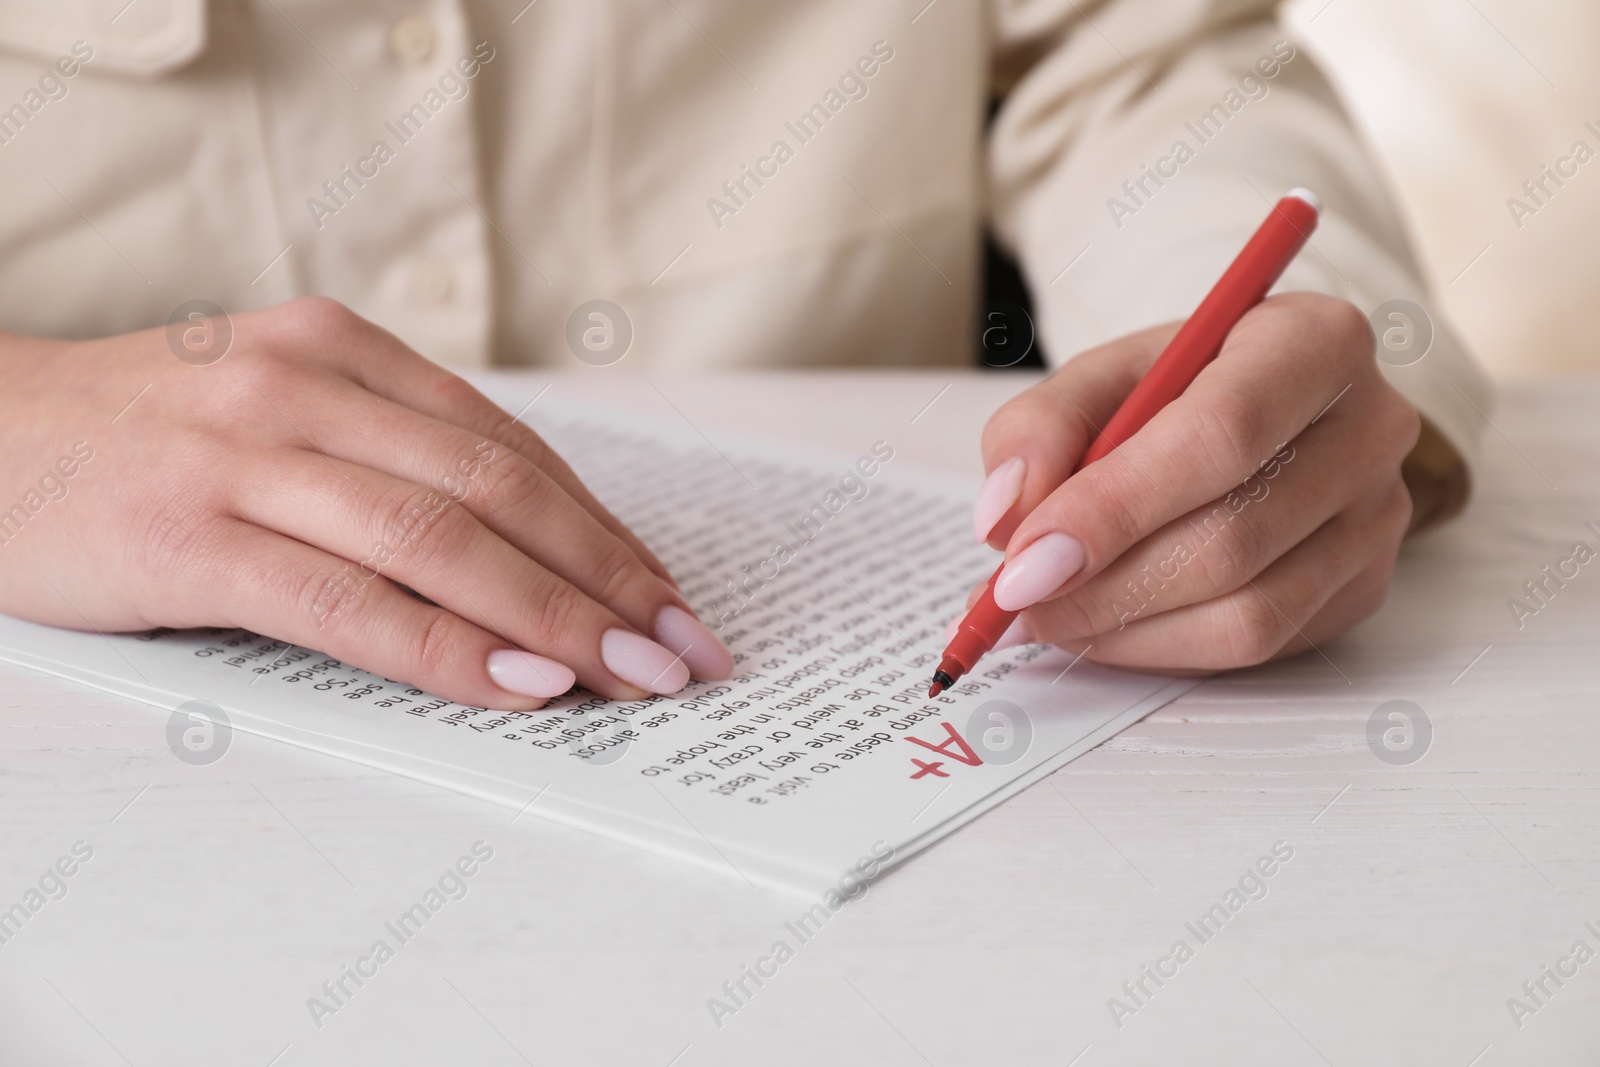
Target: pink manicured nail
[[640, 661], [1037, 571], [707, 657], [516, 671], [1018, 633], [1000, 490]]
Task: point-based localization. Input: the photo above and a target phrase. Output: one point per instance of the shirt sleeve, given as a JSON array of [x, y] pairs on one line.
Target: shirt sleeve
[[1137, 146]]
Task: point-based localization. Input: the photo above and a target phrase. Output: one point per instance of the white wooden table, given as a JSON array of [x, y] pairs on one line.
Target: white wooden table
[[1419, 897]]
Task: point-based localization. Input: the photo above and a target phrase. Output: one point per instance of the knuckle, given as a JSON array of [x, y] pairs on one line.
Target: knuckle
[[477, 410], [456, 392], [1038, 419], [319, 315], [522, 438], [1254, 631], [1233, 430], [1228, 549], [1110, 490], [309, 329], [1070, 616], [175, 538], [434, 646], [1347, 326], [1397, 510], [418, 527], [504, 487], [1011, 420], [1322, 327], [1402, 422], [614, 572], [1337, 324], [553, 616], [269, 373], [332, 598], [1103, 496]]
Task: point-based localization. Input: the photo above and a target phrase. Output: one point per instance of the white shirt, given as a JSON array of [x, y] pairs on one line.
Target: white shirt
[[767, 183]]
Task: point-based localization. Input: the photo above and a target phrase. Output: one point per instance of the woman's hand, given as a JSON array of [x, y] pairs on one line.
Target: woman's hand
[[1256, 516], [294, 485]]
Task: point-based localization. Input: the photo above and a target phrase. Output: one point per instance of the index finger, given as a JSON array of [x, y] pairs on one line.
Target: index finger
[[1033, 443], [1285, 363]]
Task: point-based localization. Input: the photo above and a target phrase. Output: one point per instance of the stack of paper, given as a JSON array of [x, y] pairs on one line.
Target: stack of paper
[[832, 579]]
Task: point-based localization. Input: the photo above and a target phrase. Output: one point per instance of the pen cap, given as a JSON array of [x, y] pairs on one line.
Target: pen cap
[[1253, 272]]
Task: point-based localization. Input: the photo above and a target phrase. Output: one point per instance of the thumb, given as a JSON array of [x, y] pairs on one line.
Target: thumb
[[1033, 443]]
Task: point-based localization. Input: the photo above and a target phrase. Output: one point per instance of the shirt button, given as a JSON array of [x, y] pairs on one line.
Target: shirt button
[[432, 281], [412, 39]]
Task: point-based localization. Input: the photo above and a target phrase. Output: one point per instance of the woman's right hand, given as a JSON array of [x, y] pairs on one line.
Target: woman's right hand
[[294, 485]]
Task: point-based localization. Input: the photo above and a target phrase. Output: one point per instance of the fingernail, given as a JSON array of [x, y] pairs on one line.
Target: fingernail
[[1037, 571], [640, 661], [1018, 633], [1000, 490], [950, 631], [517, 671], [707, 658]]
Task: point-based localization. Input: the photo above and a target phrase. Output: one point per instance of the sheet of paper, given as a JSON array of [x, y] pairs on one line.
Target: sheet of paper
[[831, 577]]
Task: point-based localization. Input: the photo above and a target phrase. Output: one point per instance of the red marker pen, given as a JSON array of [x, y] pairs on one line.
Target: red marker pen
[[1242, 286]]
